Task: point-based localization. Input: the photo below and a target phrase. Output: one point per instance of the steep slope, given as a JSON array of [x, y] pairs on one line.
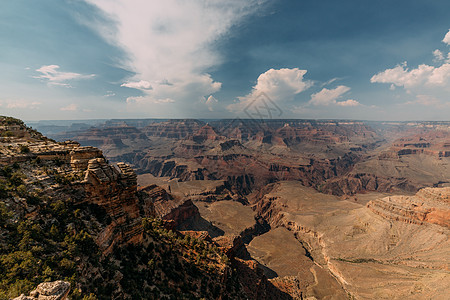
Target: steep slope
[[375, 247], [66, 214]]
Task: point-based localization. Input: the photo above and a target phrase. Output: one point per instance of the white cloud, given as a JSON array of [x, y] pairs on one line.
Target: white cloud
[[170, 43], [166, 100], [438, 55], [142, 100], [425, 100], [211, 102], [447, 38], [330, 81], [430, 101], [140, 85], [56, 77], [349, 102], [429, 85], [21, 104], [423, 75], [70, 107], [281, 84], [277, 85], [330, 96]]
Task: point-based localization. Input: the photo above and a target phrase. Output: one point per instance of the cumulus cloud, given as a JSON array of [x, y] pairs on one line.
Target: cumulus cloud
[[429, 85], [447, 38], [330, 96], [277, 85], [423, 75], [170, 44], [70, 107], [281, 84], [438, 55], [140, 85], [53, 76], [349, 102]]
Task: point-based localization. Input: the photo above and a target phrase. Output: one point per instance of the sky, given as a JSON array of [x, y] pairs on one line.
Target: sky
[[307, 59]]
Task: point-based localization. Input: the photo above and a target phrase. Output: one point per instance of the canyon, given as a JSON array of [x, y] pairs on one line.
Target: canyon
[[301, 209]]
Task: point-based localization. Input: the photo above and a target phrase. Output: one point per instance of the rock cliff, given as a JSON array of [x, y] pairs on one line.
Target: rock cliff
[[115, 191], [57, 290], [65, 212], [429, 205]]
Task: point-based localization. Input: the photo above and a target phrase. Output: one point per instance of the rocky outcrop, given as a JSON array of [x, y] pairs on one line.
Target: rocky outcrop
[[169, 208], [56, 290], [290, 285], [177, 129], [433, 143], [232, 246], [80, 156], [206, 133], [181, 212], [435, 194], [115, 190], [260, 227], [361, 182], [429, 205], [254, 281]]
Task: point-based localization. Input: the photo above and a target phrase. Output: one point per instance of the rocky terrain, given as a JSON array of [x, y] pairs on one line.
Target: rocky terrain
[[375, 247], [280, 209], [67, 214], [337, 157]]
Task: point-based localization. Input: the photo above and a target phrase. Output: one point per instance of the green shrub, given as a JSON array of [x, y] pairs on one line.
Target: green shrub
[[7, 134], [16, 179], [5, 214], [24, 149], [3, 189]]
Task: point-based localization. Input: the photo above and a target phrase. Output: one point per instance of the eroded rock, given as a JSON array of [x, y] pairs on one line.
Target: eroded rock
[[56, 290]]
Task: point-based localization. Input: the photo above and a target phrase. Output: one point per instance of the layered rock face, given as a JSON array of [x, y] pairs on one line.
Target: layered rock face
[[177, 210], [79, 217], [409, 163], [363, 241], [246, 153], [285, 240], [115, 190], [112, 188], [178, 129], [80, 156], [251, 153], [435, 143], [429, 205]]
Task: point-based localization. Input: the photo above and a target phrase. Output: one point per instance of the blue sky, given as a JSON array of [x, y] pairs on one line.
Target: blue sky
[[350, 59]]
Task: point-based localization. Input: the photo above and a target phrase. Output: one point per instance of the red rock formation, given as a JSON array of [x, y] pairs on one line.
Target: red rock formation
[[167, 207], [254, 282], [429, 205], [114, 190], [206, 133], [434, 143], [178, 129]]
